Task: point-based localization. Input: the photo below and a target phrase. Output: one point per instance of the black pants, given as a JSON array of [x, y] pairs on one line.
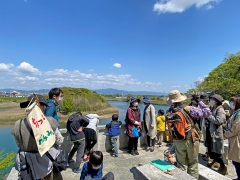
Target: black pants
[[89, 144], [151, 142], [108, 176], [132, 144], [215, 156], [237, 167]]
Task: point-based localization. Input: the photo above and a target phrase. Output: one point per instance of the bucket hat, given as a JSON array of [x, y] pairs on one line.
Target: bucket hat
[[217, 97], [146, 100], [134, 99], [175, 96], [204, 97], [41, 99]]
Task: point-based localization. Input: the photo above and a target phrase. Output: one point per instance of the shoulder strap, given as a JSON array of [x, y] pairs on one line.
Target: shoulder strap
[[49, 156], [235, 116], [28, 127]]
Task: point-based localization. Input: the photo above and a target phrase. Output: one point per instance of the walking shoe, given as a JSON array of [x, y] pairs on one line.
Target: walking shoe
[[151, 149], [147, 149], [114, 155], [133, 153], [79, 170], [223, 170], [210, 164], [136, 152], [216, 165]]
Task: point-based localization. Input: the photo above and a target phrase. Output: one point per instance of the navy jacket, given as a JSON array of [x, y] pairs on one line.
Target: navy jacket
[[114, 128], [73, 124], [87, 170]]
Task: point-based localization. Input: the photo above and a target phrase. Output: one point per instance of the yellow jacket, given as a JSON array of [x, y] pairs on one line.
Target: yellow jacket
[[161, 123]]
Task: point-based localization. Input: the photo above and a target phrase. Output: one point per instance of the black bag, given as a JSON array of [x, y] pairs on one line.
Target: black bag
[[25, 172], [60, 163]]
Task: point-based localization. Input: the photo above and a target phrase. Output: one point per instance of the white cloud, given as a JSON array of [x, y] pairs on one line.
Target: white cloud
[[27, 68], [5, 67], [179, 6], [91, 70], [57, 72], [209, 6], [201, 79], [27, 78], [117, 65], [175, 86]]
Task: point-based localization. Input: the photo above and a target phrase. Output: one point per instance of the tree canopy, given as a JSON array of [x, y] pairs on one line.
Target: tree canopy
[[224, 79]]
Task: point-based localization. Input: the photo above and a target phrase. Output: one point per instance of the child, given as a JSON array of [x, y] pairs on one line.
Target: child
[[93, 168], [160, 126], [113, 132]]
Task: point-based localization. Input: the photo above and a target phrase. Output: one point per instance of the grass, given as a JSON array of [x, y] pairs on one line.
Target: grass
[[12, 99]]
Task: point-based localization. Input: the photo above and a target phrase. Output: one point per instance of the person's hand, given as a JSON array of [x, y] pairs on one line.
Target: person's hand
[[151, 127], [80, 129]]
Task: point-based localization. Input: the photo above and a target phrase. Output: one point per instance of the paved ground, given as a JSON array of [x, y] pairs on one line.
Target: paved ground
[[123, 166]]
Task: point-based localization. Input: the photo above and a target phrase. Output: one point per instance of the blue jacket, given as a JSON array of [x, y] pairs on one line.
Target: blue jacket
[[51, 110], [114, 128], [87, 170]]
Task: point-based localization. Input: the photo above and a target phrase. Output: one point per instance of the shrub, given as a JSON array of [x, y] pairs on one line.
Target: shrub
[[6, 161], [68, 105]]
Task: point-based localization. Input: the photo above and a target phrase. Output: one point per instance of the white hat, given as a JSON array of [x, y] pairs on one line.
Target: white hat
[[175, 96]]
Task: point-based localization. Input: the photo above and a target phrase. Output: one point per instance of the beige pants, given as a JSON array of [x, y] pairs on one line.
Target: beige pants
[[160, 136]]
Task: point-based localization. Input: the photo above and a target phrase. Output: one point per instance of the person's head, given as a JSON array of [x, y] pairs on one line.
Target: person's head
[[31, 99], [96, 159], [235, 102], [114, 117], [134, 101], [204, 98], [79, 113], [216, 100], [56, 94], [146, 101], [160, 112], [193, 103], [176, 98]]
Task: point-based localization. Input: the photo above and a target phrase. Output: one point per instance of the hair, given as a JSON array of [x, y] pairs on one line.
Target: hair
[[160, 111], [96, 158], [54, 91], [114, 117], [218, 102], [236, 100], [79, 113]]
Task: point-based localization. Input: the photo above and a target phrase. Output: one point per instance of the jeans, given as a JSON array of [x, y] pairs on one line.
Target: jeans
[[79, 148], [237, 167], [113, 141]]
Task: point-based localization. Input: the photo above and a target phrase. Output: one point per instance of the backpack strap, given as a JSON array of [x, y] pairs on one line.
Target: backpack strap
[[235, 116]]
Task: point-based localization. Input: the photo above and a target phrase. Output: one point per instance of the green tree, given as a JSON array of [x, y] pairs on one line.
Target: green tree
[[6, 161], [68, 105], [224, 79]]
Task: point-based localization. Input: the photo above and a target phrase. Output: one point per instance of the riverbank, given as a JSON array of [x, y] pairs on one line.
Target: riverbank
[[10, 112]]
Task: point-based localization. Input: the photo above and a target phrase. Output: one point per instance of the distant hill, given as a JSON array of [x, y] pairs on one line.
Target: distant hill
[[99, 91], [124, 92], [40, 91]]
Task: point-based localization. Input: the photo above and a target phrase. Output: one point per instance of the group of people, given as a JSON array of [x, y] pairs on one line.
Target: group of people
[[207, 115], [210, 115]]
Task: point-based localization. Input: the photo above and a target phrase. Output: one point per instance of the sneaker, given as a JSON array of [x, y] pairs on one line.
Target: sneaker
[[79, 170], [133, 153], [136, 152], [151, 149], [223, 170], [210, 164], [147, 149], [114, 155]]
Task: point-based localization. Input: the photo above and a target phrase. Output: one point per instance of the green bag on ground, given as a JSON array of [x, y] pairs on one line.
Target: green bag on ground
[[162, 165]]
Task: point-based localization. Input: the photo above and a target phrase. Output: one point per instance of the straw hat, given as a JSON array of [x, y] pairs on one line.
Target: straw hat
[[175, 96]]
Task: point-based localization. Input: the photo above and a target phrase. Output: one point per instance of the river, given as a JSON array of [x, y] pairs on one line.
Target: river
[[8, 144]]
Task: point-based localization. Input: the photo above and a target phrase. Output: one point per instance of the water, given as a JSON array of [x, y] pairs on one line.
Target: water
[[122, 109], [7, 141]]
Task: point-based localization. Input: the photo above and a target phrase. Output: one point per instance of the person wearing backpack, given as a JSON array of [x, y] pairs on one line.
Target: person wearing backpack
[[214, 134], [113, 132], [184, 130], [233, 134], [28, 152], [75, 125]]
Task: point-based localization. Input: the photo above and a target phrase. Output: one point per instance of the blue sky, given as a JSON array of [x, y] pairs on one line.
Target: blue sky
[[124, 44]]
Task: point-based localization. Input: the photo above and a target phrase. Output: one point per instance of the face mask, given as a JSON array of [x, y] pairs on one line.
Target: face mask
[[60, 99], [96, 167], [135, 104], [232, 105], [212, 102]]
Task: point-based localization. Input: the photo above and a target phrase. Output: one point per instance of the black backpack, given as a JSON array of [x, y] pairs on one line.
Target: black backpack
[[60, 163]]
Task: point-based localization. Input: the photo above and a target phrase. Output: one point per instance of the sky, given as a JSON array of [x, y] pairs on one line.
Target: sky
[[135, 45]]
